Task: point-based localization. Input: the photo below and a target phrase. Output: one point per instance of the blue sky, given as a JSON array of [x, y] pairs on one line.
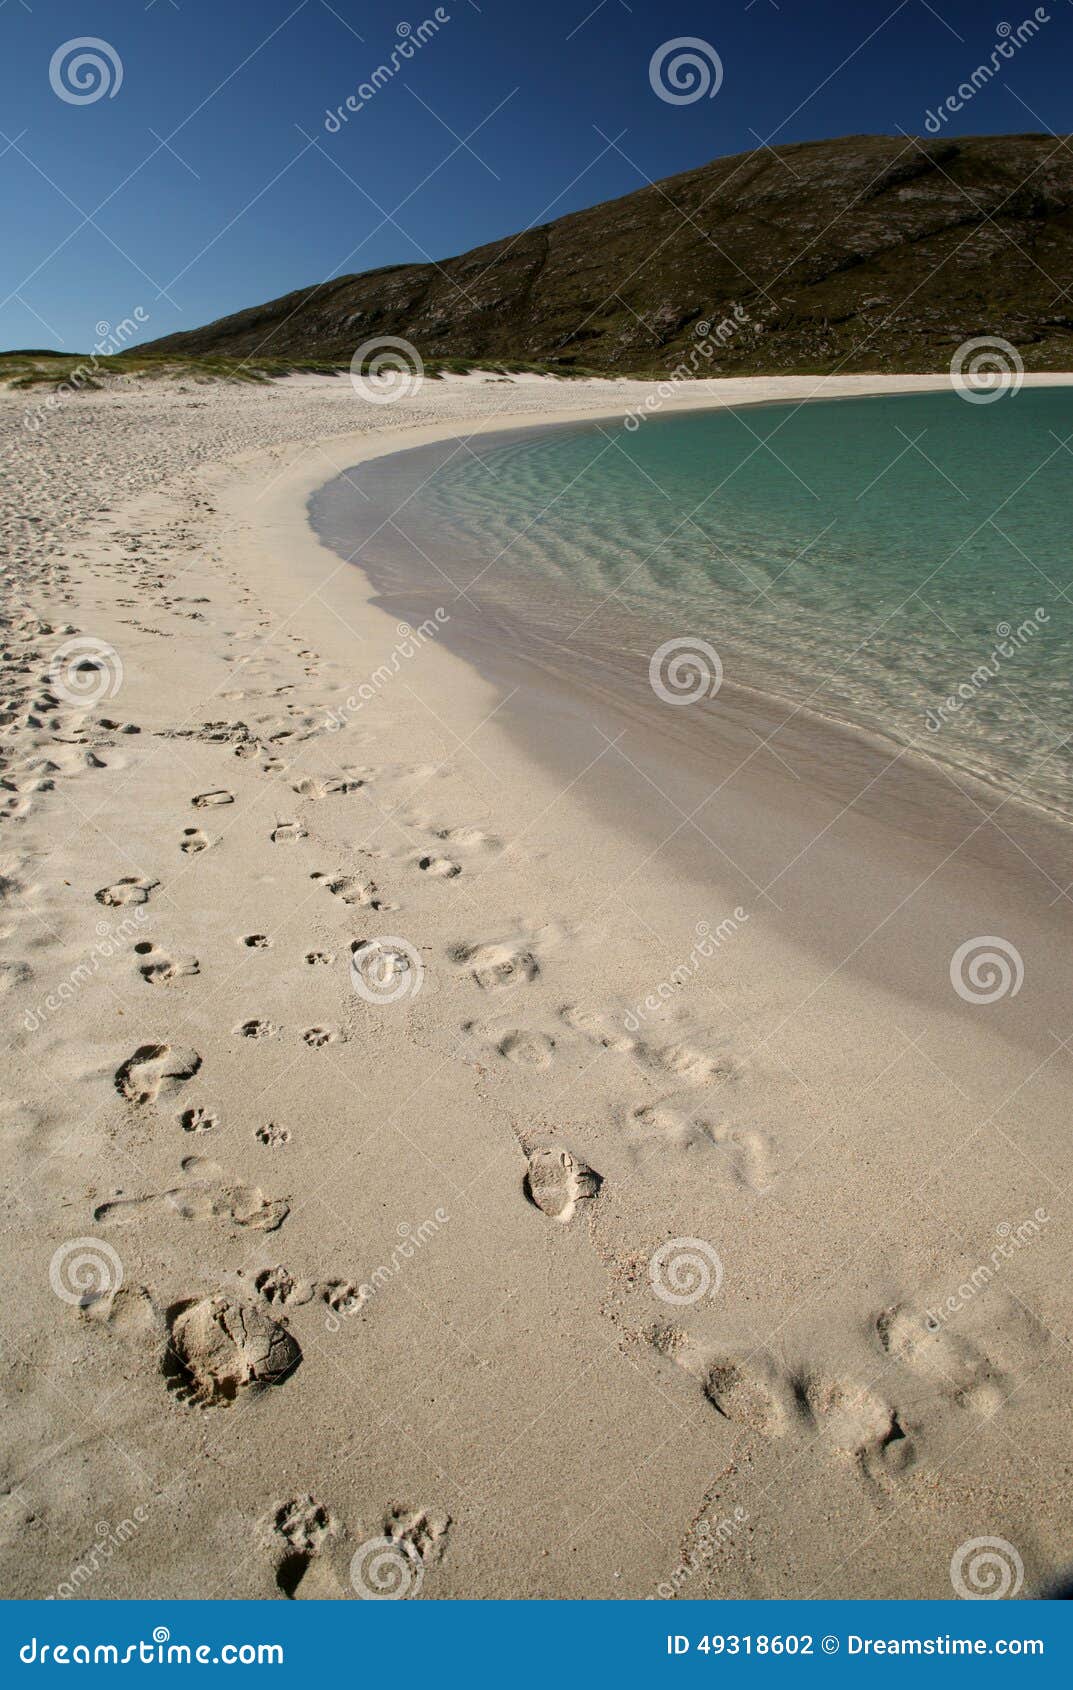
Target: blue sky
[[209, 182]]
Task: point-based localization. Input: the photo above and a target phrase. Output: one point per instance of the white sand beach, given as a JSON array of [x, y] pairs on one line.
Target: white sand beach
[[311, 1286]]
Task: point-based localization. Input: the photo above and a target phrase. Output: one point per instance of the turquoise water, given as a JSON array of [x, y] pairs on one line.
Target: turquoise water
[[869, 558]]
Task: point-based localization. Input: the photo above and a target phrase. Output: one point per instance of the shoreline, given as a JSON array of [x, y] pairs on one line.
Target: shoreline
[[520, 1405], [915, 811], [765, 699]]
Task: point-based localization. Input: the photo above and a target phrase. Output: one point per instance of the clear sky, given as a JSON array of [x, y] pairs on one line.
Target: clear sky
[[209, 181]]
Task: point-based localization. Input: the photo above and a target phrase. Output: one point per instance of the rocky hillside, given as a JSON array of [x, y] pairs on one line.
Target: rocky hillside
[[865, 253]]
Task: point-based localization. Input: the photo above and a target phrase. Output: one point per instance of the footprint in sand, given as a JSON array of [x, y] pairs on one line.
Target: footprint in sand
[[303, 1530], [527, 1048], [256, 941], [208, 800], [855, 1422], [496, 967], [198, 1120], [14, 974], [193, 840], [206, 1195], [130, 890], [745, 1151], [460, 839], [977, 1361], [678, 1060], [157, 968], [442, 867], [214, 733], [279, 1285], [555, 1182], [524, 1047], [350, 890], [221, 1349], [154, 1071], [318, 1037], [319, 959], [257, 1029], [849, 1420], [422, 1532], [273, 1137], [336, 787], [287, 833], [752, 1393]]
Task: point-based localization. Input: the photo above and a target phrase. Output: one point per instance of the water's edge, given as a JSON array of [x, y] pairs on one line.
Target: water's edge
[[513, 640]]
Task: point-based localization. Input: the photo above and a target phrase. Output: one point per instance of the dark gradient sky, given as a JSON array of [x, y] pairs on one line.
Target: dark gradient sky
[[209, 181]]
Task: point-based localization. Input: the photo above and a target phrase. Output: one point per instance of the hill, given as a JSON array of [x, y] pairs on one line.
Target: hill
[[865, 253]]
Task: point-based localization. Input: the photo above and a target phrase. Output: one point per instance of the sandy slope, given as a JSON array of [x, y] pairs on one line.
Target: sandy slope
[[387, 1267]]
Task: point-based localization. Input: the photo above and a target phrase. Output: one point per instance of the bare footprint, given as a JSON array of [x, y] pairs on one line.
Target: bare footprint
[[555, 1182], [952, 1362], [318, 1037], [528, 1048], [193, 840], [496, 967], [130, 890], [154, 1071], [443, 868], [257, 1029], [206, 1195], [750, 1393], [861, 1425], [352, 891], [208, 800], [678, 1060], [287, 833], [157, 968], [746, 1152]]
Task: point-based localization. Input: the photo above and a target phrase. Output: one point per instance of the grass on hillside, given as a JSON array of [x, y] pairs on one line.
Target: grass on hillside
[[80, 374]]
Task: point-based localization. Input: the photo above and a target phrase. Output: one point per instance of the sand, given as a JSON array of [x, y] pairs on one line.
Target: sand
[[584, 1242]]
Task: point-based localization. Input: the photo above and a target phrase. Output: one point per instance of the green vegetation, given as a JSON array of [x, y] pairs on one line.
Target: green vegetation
[[83, 374]]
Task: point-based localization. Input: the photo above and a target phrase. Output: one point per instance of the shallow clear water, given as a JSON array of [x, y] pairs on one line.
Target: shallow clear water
[[867, 557]]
